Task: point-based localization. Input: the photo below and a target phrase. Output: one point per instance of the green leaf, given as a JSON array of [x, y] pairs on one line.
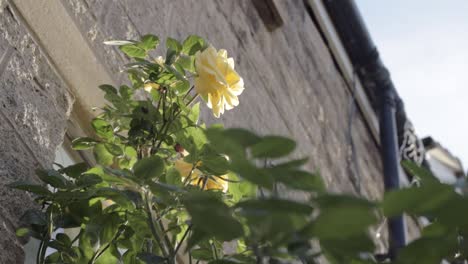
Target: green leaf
[[215, 164], [243, 137], [149, 168], [32, 188], [21, 232], [192, 44], [53, 178], [119, 42], [171, 55], [119, 197], [114, 149], [194, 113], [359, 214], [75, 170], [429, 250], [246, 170], [347, 249], [274, 205], [192, 139], [150, 258], [224, 143], [329, 224], [202, 254], [298, 179], [133, 51], [187, 62], [34, 217], [420, 172], [417, 200], [240, 189], [173, 177], [102, 128], [83, 143], [148, 42], [102, 155], [212, 216], [64, 239], [108, 89], [273, 147], [182, 87], [88, 180], [173, 44]]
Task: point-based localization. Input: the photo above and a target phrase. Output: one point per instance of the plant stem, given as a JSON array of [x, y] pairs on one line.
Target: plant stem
[[182, 239], [45, 240], [152, 224], [99, 253], [213, 248]]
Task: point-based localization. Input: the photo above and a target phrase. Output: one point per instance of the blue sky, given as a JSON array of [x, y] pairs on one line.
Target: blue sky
[[424, 43]]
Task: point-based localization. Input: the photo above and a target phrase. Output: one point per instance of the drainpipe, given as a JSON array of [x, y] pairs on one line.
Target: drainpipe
[[382, 93], [390, 157]]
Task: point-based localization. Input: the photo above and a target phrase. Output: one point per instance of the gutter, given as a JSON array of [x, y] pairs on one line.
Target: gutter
[[384, 99]]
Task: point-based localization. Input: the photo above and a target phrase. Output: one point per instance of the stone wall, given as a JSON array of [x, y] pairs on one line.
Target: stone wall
[[293, 88], [34, 107]]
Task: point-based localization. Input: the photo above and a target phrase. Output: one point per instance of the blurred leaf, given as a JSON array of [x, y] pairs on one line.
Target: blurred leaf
[[359, 214], [149, 168], [246, 170], [420, 172], [274, 205], [343, 249], [212, 216], [417, 200], [298, 179], [329, 224], [214, 164], [240, 189], [273, 147]]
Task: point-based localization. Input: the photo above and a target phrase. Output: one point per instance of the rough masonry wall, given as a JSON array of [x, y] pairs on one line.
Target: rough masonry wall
[[34, 107]]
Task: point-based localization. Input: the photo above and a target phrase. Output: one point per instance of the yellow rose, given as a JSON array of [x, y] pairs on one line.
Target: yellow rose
[[213, 183], [217, 81]]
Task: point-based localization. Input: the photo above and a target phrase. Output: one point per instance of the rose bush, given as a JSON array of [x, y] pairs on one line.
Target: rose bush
[[167, 189]]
